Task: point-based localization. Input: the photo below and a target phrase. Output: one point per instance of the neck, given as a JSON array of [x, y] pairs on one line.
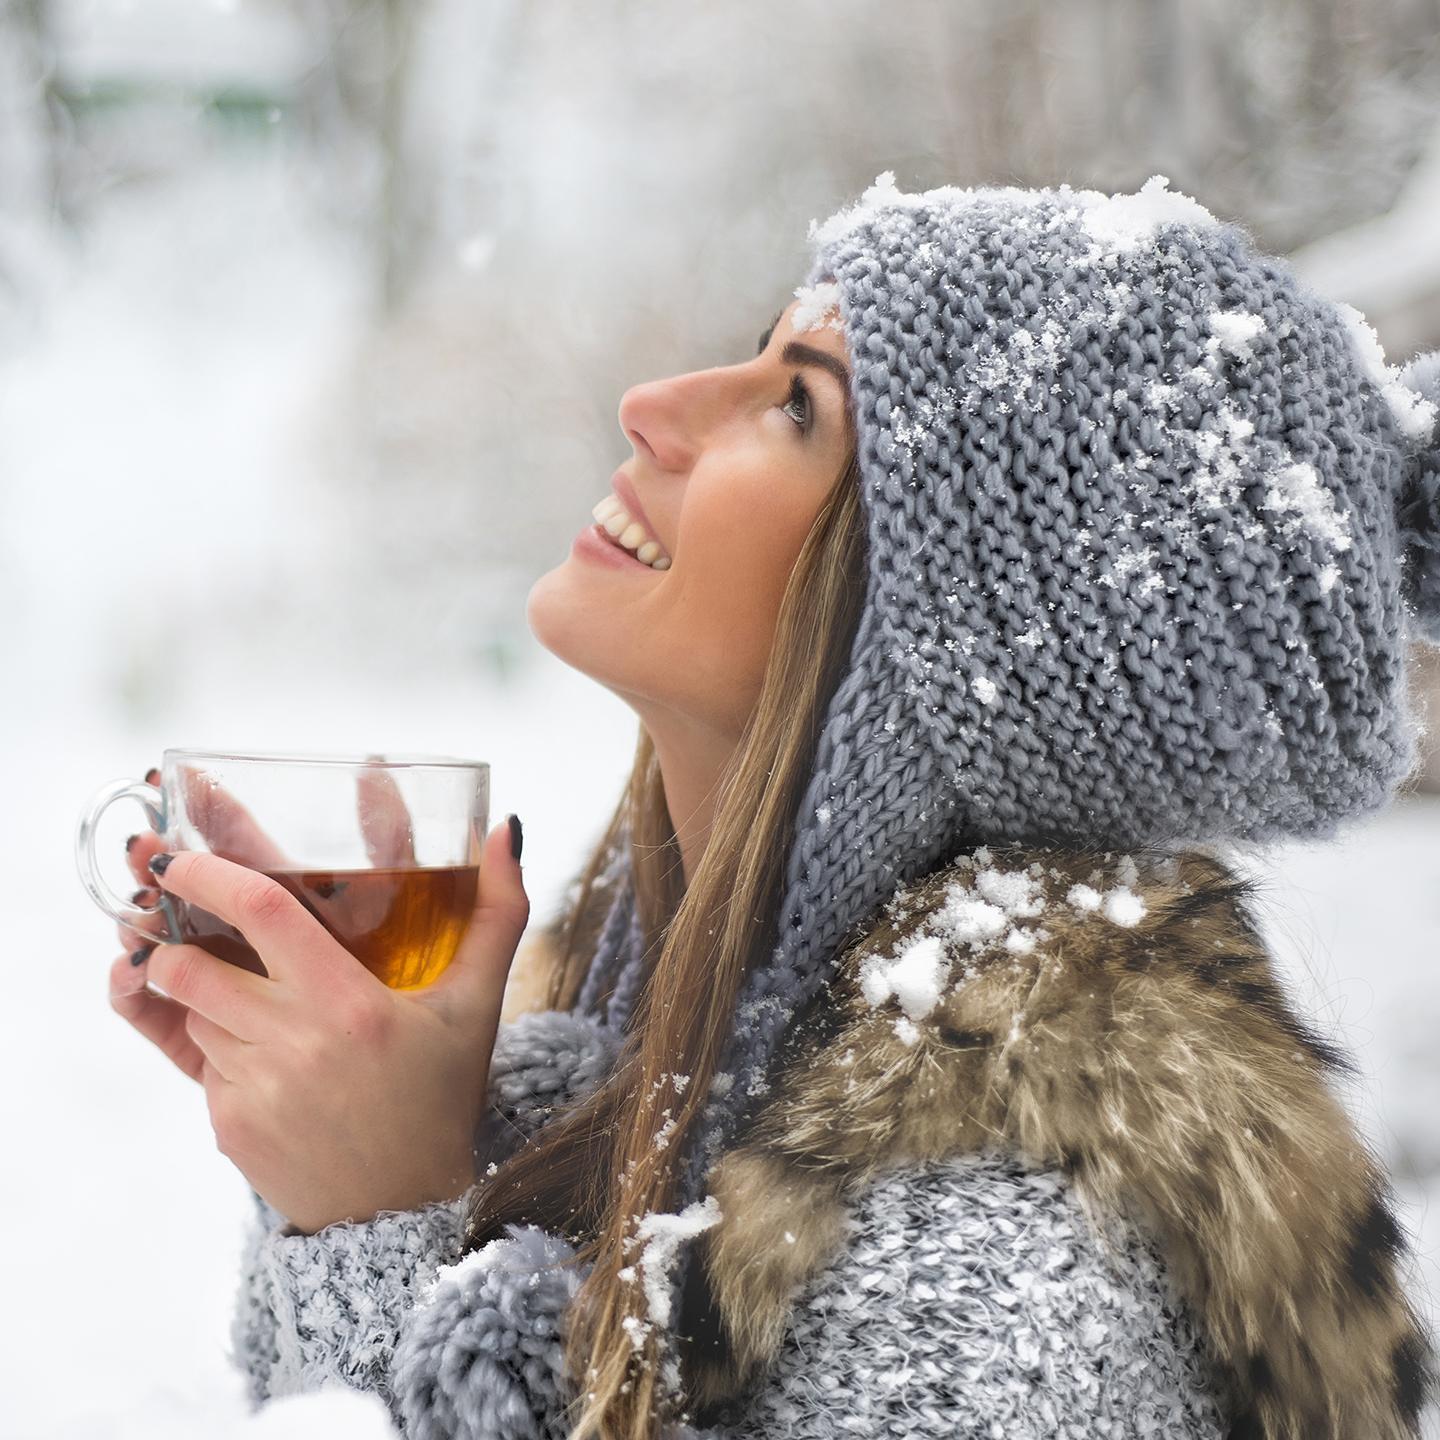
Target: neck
[[691, 763]]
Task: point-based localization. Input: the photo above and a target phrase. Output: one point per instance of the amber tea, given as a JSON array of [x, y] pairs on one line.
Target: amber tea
[[403, 924]]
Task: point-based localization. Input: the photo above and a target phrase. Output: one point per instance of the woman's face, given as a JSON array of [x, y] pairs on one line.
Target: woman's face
[[731, 466]]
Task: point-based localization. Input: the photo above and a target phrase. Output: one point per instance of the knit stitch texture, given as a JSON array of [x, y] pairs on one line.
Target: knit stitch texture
[[971, 1295], [972, 1299]]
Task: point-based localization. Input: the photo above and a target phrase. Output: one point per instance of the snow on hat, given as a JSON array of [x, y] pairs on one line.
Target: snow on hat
[[1147, 522]]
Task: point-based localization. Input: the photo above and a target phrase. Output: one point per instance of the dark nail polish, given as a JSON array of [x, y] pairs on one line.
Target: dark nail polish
[[130, 843], [140, 956], [160, 863], [139, 897], [152, 777], [517, 837]]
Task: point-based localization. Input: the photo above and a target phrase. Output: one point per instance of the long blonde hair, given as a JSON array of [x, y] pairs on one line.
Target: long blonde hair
[[595, 1168]]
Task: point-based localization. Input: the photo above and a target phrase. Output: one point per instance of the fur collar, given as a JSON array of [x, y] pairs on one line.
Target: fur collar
[[1130, 1032]]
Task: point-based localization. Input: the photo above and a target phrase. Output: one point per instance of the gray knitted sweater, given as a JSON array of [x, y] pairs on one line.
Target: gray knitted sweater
[[971, 1300]]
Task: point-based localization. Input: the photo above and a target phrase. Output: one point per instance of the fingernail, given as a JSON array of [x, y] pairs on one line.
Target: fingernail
[[130, 843], [152, 777], [140, 956], [517, 837], [138, 898], [160, 863]]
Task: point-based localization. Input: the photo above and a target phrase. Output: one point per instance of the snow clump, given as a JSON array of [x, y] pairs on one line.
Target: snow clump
[[1296, 492], [1119, 222], [816, 303], [1123, 222], [1017, 892], [472, 1261], [915, 977], [1123, 907], [1413, 413], [663, 1234], [1233, 330], [985, 690], [905, 1029]]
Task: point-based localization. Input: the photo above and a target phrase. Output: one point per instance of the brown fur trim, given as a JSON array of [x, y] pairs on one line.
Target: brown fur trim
[[1160, 1066]]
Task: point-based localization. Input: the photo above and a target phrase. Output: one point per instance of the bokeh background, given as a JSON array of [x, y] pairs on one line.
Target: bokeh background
[[315, 316]]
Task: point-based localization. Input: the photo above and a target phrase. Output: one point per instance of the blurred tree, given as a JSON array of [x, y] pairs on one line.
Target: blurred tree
[[561, 200], [353, 102], [32, 122], [401, 101]]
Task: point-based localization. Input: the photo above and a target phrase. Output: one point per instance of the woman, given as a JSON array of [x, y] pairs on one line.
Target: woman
[[907, 1060]]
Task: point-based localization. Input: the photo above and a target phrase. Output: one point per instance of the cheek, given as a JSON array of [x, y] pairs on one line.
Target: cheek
[[732, 584]]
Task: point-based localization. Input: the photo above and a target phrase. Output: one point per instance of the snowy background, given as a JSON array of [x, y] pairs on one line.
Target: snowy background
[[314, 319]]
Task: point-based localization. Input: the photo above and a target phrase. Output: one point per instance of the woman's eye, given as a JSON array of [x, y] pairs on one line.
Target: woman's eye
[[799, 395]]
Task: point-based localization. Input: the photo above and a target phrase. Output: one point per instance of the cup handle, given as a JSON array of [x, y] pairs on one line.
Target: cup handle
[[153, 799]]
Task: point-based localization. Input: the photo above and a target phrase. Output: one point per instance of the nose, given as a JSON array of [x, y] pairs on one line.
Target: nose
[[666, 420]]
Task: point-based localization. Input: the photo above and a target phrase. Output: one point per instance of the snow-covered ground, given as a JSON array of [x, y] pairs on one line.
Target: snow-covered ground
[[125, 1221]]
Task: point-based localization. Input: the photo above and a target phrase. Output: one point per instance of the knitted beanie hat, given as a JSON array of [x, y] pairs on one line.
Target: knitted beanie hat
[[1147, 524]]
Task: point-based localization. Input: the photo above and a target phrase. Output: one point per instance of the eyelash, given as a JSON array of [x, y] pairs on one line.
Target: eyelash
[[800, 391]]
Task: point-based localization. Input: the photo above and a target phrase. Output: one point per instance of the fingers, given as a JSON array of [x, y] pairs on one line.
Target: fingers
[[230, 830], [501, 913], [224, 993], [159, 1020], [384, 819], [501, 899], [138, 851], [151, 928], [219, 1047], [294, 944]]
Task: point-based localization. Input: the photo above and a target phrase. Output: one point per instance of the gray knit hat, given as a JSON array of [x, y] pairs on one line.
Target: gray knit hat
[[1147, 523]]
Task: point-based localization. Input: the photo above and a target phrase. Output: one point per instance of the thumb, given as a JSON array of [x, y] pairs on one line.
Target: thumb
[[502, 910]]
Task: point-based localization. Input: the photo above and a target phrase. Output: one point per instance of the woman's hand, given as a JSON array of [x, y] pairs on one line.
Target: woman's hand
[[159, 1019], [334, 1095], [230, 830]]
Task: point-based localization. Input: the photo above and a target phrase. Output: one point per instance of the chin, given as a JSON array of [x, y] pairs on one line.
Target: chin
[[560, 620], [545, 614]]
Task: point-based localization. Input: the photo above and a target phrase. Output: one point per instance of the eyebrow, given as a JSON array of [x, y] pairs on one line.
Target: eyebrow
[[796, 352]]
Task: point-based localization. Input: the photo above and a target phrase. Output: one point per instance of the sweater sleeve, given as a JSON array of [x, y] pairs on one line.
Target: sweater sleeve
[[972, 1300], [312, 1309]]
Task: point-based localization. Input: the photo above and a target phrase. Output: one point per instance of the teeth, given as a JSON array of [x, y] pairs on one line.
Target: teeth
[[615, 520]]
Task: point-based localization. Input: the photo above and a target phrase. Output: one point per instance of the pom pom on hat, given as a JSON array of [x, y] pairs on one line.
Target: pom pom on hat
[[1418, 514]]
